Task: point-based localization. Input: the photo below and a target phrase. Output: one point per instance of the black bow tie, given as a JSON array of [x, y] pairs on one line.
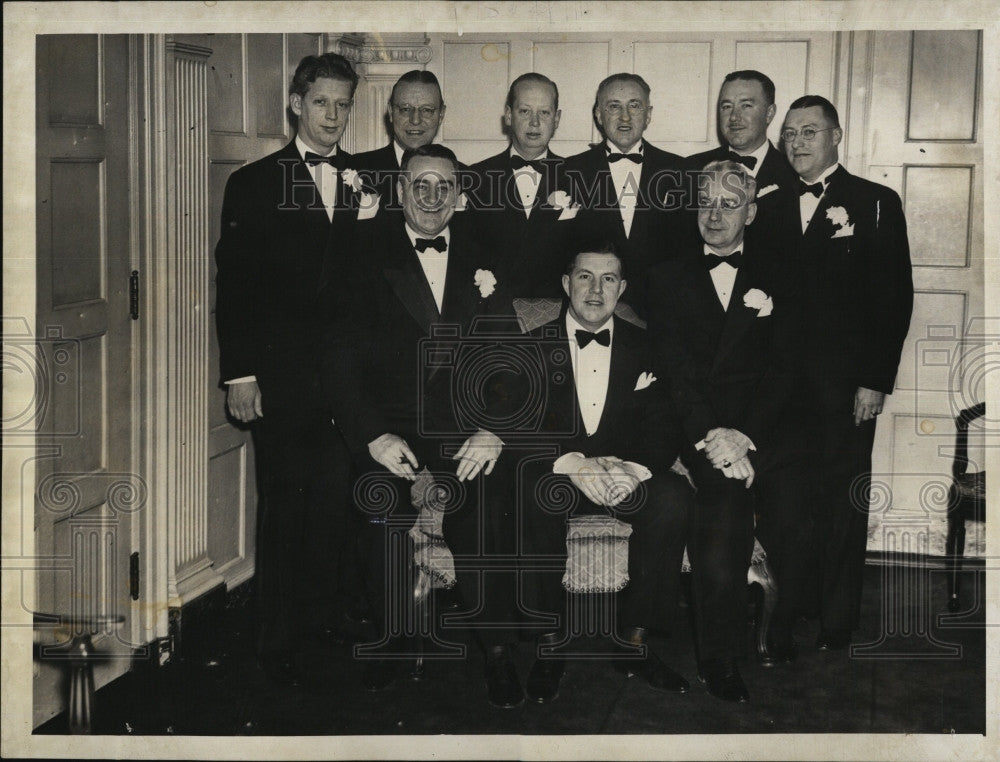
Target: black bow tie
[[613, 157], [747, 161], [714, 260], [583, 338], [519, 162], [423, 244], [336, 161], [816, 189]]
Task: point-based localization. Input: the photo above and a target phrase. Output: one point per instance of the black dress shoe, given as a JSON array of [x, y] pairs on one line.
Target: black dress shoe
[[379, 674], [543, 679], [723, 680], [657, 675], [778, 652], [502, 685], [281, 669], [833, 640]]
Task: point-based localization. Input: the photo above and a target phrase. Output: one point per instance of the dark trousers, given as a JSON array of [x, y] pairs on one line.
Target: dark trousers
[[305, 528], [656, 546], [722, 544], [841, 456], [474, 526]]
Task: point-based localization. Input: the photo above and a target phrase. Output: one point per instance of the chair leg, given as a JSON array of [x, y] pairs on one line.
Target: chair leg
[[955, 551]]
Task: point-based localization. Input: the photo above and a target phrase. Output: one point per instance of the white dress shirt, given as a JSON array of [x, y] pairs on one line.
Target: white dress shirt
[[723, 277], [527, 179], [399, 153], [433, 262], [808, 203], [591, 369], [324, 175], [625, 174]]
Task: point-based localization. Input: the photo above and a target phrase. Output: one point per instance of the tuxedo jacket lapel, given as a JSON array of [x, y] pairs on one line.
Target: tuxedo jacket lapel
[[301, 189], [819, 227], [406, 277], [738, 317]]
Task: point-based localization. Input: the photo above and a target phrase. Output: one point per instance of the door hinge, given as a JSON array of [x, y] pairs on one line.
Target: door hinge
[[133, 575], [133, 295]]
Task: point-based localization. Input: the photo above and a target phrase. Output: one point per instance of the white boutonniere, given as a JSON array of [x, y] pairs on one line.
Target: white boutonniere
[[368, 205], [461, 202], [766, 189], [644, 380], [560, 200], [352, 180], [838, 216], [755, 299], [486, 281]]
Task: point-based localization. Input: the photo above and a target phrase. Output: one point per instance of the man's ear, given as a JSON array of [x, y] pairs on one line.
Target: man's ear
[[751, 212], [838, 135], [769, 114], [565, 283], [507, 116], [295, 104], [399, 188], [621, 287]]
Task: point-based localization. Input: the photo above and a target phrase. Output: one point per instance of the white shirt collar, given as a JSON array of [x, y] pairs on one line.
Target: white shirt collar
[[302, 147], [610, 147], [414, 235], [825, 176], [758, 153], [709, 250], [542, 157], [573, 325], [399, 152]]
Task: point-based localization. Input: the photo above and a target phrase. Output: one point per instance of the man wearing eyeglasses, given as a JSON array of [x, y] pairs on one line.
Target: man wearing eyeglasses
[[851, 264], [415, 113], [723, 324], [744, 111], [629, 192]]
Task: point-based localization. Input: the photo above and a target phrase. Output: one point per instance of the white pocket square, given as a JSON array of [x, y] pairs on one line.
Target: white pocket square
[[847, 231], [644, 380], [765, 190], [568, 213]]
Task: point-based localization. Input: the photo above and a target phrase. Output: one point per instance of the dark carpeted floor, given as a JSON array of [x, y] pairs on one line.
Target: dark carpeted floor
[[925, 673]]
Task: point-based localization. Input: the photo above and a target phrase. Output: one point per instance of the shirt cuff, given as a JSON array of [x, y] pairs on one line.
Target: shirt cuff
[[561, 466], [241, 380]]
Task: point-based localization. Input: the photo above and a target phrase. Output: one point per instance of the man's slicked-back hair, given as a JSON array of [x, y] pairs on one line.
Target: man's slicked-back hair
[[417, 77], [531, 76], [594, 246], [732, 168], [431, 150], [753, 75], [808, 101], [329, 65], [622, 76]]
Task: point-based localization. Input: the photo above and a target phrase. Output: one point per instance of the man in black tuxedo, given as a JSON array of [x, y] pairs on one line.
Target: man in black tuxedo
[[628, 191], [415, 113], [615, 439], [852, 271], [278, 215], [415, 281], [745, 110], [724, 328], [509, 192]]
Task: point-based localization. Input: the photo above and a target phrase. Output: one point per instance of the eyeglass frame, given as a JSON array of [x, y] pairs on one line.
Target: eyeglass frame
[[795, 133], [426, 112], [633, 107]]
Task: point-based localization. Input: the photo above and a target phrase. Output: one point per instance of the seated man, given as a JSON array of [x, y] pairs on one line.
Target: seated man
[[722, 326], [616, 439]]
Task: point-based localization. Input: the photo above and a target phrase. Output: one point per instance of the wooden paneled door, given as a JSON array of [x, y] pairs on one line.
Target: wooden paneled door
[[88, 489], [919, 131]]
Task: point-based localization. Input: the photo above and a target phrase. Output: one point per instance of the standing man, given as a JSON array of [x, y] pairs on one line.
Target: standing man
[[723, 324], [412, 273], [510, 191], [630, 192], [415, 113], [614, 437], [852, 270], [278, 214], [745, 110]]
